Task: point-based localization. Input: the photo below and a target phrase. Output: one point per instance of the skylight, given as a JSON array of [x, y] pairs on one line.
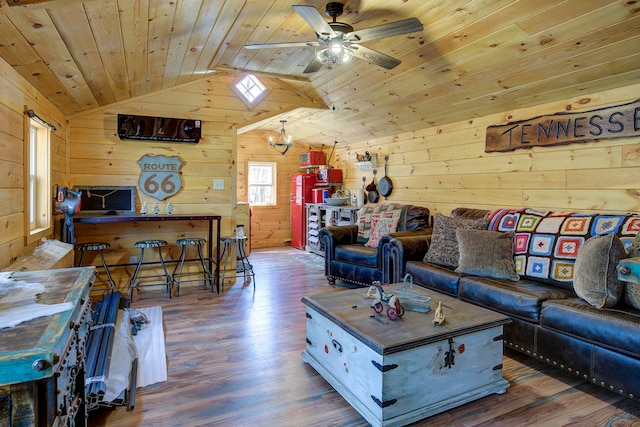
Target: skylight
[[250, 88]]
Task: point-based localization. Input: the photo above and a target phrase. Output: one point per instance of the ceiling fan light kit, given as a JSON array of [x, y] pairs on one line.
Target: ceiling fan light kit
[[284, 141], [338, 42], [335, 53]]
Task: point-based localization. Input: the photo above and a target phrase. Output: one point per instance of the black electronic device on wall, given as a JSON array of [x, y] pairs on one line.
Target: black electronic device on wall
[[147, 128]]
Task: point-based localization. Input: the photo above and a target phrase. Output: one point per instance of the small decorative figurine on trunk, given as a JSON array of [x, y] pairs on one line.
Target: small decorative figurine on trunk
[[438, 316]]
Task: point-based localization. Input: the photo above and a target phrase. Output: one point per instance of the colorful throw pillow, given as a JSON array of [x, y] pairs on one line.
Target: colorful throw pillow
[[443, 249], [596, 276], [547, 243], [387, 210], [486, 253], [365, 216], [381, 227]]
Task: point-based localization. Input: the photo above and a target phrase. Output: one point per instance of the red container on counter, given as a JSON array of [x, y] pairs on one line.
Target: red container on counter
[[318, 194]]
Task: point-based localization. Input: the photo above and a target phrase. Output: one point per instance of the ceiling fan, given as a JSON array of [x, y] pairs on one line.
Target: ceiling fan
[[339, 42]]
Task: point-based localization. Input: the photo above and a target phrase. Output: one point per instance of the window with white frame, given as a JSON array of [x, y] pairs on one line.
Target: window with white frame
[[262, 183], [250, 89], [38, 198]]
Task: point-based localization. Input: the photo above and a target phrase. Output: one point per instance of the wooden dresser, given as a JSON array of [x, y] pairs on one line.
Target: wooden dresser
[[42, 360]]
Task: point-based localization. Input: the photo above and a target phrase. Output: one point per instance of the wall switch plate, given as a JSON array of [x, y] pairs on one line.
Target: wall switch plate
[[218, 184]]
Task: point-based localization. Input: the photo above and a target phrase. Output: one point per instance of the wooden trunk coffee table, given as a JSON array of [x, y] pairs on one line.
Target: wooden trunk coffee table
[[395, 372]]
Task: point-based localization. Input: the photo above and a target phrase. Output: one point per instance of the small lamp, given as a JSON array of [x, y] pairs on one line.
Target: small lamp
[[283, 143]]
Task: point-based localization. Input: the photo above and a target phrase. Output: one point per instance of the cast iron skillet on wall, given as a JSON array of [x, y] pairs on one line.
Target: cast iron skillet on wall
[[373, 196], [385, 185]]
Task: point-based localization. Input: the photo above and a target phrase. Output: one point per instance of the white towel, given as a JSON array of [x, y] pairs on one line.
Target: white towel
[[152, 357]]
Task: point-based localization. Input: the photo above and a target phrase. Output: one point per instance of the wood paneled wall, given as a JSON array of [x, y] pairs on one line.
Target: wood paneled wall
[[270, 225], [16, 94], [87, 151], [438, 167], [446, 167], [99, 157]]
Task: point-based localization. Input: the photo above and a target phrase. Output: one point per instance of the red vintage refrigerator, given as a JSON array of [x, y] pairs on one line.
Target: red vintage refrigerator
[[301, 186]]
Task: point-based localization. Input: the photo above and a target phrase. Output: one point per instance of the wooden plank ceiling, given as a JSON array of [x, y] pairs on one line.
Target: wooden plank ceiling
[[473, 57]]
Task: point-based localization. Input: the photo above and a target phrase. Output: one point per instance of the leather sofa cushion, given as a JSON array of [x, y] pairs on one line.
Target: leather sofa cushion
[[463, 212], [433, 276], [357, 254], [618, 330], [521, 299], [417, 218]]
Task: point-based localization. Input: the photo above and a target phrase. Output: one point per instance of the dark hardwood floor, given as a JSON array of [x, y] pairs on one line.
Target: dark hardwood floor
[[234, 360]]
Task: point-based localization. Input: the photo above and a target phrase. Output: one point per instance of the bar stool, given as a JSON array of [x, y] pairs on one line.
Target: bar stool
[[240, 265], [96, 246], [144, 244], [185, 243]]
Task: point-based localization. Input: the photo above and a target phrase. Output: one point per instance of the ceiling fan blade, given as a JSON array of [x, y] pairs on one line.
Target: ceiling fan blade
[[278, 45], [405, 26], [314, 66], [315, 20], [375, 57]]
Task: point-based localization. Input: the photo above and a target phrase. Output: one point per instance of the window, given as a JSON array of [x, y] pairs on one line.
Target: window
[[250, 89], [38, 198], [262, 184]]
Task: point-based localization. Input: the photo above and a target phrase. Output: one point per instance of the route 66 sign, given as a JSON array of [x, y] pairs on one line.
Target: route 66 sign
[[160, 177]]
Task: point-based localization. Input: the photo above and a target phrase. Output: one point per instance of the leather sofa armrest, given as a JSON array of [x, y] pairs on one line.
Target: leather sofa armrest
[[338, 235], [402, 249], [412, 233], [382, 248], [382, 257]]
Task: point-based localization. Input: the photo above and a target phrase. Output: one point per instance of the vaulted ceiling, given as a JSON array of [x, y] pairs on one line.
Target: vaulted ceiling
[[473, 57]]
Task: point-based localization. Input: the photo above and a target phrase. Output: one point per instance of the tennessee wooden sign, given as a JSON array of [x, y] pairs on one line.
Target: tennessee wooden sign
[[621, 121]]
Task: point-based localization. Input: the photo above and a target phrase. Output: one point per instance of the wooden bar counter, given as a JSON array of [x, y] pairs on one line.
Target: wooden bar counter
[[124, 219]]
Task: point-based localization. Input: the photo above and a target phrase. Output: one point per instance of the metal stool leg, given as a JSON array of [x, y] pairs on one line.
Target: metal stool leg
[[180, 264], [168, 278], [112, 284], [225, 254], [246, 265], [132, 283], [81, 257], [207, 274]]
